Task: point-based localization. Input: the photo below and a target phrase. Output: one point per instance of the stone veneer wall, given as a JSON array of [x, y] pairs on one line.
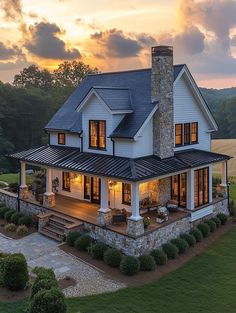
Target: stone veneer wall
[[164, 190], [221, 207], [9, 199]]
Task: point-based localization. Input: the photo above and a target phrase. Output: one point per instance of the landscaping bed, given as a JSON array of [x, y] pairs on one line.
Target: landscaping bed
[[14, 235]]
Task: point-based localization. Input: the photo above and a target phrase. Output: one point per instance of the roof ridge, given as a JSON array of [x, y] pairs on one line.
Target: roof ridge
[[110, 87]]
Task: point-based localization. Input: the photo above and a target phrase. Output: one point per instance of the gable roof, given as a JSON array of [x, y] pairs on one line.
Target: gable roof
[[136, 83]]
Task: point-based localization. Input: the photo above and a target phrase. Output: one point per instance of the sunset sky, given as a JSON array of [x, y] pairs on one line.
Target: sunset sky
[[117, 35]]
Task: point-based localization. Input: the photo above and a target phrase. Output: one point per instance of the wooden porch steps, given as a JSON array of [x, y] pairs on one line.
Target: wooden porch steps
[[58, 225]]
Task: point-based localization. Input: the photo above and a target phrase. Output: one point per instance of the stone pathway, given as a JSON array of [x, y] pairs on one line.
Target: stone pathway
[[42, 251]]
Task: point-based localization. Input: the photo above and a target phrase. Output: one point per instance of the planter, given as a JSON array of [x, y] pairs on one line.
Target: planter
[[161, 220]]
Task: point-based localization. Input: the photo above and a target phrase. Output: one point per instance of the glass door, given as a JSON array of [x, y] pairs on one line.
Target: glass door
[[95, 189], [87, 187], [66, 181]]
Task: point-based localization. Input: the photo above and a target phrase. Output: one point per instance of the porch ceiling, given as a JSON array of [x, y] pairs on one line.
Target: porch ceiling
[[73, 159]]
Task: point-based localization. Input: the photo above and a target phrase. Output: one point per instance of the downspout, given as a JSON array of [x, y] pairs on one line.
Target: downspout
[[82, 141]]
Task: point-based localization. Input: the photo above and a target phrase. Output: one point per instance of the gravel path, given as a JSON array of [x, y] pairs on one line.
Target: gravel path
[[42, 251]]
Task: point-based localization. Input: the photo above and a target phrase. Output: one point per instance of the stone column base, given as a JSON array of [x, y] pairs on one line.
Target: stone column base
[[104, 217], [223, 190], [135, 228], [49, 200], [24, 192]]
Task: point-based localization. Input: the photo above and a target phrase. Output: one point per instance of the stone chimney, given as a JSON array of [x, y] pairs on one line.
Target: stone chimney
[[162, 80]]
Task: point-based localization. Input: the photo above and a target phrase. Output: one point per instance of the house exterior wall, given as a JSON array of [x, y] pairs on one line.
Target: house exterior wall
[[187, 110], [72, 140]]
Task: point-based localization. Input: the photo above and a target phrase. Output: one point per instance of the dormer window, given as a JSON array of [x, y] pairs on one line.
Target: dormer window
[[97, 134], [61, 138]]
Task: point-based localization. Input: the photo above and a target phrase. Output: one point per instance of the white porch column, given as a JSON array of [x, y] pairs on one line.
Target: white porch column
[[24, 193], [210, 183], [224, 174], [190, 189], [104, 213], [135, 225], [49, 196]]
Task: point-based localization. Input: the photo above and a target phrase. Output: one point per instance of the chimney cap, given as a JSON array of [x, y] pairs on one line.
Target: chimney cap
[[162, 51]]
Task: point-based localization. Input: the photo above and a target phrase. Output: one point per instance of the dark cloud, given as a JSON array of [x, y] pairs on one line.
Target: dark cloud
[[12, 9], [190, 41], [7, 53], [43, 42], [146, 40]]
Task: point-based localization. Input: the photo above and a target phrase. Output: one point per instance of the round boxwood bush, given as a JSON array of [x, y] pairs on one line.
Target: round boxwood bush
[[26, 220], [197, 234], [191, 240], [15, 272], [217, 221], [44, 273], [48, 301], [71, 237], [222, 217], [8, 215], [129, 265], [10, 227], [159, 256], [45, 284], [83, 242], [22, 230], [3, 210], [112, 257], [97, 250], [181, 244], [147, 263], [211, 224], [204, 228], [15, 217], [171, 250]]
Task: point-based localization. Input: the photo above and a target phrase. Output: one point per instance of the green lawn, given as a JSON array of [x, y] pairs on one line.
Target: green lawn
[[233, 192], [14, 178], [206, 284]]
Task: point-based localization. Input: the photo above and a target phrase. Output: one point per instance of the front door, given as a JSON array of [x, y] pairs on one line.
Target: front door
[[95, 189]]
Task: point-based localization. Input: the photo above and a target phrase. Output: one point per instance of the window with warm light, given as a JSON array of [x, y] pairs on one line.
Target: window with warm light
[[97, 134], [194, 133], [61, 138], [66, 181], [179, 189], [126, 193], [187, 134], [201, 187], [178, 135]]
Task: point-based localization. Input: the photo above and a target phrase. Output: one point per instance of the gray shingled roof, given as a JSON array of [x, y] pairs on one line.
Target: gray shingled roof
[[138, 82], [138, 169]]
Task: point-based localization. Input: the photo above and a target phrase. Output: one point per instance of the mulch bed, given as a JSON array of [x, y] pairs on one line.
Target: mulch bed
[[146, 277], [13, 235], [67, 282]]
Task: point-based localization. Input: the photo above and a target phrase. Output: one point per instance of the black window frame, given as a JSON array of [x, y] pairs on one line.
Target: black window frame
[[196, 172], [187, 133], [123, 194], [196, 141], [63, 181], [98, 146], [58, 139], [181, 125], [179, 195]]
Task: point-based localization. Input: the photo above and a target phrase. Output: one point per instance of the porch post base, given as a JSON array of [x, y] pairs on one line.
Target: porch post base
[[24, 192], [223, 189], [135, 227], [104, 217], [49, 200]]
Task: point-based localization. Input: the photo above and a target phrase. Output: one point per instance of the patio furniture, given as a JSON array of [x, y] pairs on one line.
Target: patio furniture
[[119, 216], [172, 206]]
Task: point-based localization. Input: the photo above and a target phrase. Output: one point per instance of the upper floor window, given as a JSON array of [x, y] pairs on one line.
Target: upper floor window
[[186, 134], [97, 134], [61, 138], [194, 133], [178, 135]]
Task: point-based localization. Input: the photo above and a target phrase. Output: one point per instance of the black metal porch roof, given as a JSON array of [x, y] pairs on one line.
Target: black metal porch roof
[[138, 169]]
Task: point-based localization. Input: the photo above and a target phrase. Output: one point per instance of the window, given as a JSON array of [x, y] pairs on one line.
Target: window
[[178, 135], [178, 189], [194, 133], [97, 134], [201, 187], [126, 193], [66, 181], [87, 187], [61, 138], [187, 134]]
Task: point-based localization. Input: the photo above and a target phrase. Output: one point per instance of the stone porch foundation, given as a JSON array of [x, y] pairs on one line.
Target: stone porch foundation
[[104, 217], [49, 200], [24, 192]]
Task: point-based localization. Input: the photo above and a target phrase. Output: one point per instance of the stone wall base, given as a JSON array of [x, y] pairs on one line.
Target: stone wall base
[[135, 228], [104, 217], [49, 200], [24, 192]]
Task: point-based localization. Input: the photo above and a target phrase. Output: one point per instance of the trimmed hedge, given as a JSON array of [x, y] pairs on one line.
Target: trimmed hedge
[[41, 284], [44, 273], [112, 257], [171, 250], [83, 242], [222, 217], [204, 228], [147, 263], [217, 221], [10, 227], [97, 250], [191, 240], [22, 230], [129, 265], [159, 256], [181, 244], [71, 238], [26, 220], [197, 234], [3, 211], [211, 224], [15, 217], [8, 215]]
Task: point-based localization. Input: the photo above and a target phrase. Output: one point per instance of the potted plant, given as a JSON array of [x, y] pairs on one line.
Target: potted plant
[[161, 217], [146, 222]]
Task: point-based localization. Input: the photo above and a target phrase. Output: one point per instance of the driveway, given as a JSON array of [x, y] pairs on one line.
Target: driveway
[[42, 251]]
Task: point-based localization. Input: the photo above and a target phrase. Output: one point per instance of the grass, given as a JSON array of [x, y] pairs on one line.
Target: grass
[[15, 178], [205, 284], [233, 192], [225, 146]]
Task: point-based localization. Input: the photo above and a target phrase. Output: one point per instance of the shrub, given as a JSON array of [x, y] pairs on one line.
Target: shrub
[[71, 237], [83, 242], [8, 215], [232, 208], [15, 272], [147, 263], [3, 211], [191, 240], [197, 234], [170, 250], [181, 244], [48, 301], [10, 227], [204, 228], [2, 259], [129, 265], [26, 220], [159, 256], [97, 250], [211, 224], [222, 217], [217, 221], [112, 257], [45, 284], [15, 217], [44, 273], [22, 230]]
